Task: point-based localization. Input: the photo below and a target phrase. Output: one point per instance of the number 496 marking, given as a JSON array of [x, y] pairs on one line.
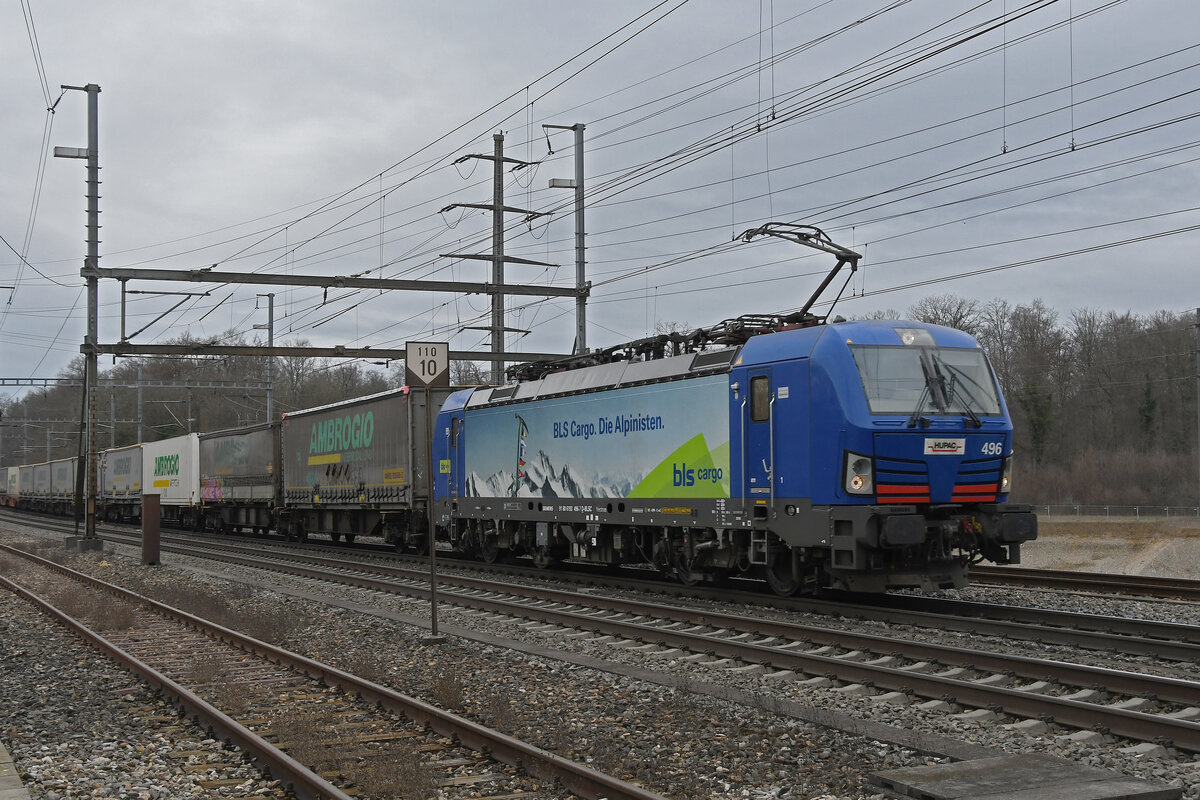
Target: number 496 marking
[[993, 448]]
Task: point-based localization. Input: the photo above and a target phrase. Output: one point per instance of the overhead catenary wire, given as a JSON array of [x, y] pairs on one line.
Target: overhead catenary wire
[[429, 245]]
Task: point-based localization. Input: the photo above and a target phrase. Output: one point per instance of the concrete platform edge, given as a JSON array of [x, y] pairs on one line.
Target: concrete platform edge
[[11, 787]]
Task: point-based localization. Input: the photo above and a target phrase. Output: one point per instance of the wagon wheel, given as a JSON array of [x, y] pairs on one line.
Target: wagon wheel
[[349, 538], [418, 541]]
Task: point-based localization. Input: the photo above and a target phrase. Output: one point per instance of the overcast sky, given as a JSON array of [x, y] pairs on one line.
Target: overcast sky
[[1054, 156]]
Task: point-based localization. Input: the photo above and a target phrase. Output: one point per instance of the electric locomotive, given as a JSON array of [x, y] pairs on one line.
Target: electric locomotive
[[812, 454]]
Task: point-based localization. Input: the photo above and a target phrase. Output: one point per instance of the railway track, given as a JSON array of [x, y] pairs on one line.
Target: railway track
[[1105, 633], [1134, 637], [1135, 585], [1127, 703], [277, 706]]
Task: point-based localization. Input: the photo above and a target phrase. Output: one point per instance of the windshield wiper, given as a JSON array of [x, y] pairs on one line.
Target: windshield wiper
[[965, 395], [916, 414], [934, 389]]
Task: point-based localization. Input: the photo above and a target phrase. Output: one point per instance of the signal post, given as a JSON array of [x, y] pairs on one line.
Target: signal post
[[427, 364]]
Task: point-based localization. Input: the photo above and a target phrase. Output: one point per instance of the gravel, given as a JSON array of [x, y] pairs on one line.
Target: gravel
[[79, 726], [681, 744]]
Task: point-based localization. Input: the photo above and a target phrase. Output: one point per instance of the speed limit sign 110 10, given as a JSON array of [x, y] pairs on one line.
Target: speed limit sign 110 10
[[427, 364]]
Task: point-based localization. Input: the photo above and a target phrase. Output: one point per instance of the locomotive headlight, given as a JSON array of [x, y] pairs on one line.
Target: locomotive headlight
[[1006, 475], [860, 474], [915, 336]]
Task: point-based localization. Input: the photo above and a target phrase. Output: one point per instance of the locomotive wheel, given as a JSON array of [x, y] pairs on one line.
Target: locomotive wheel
[[782, 575], [488, 551], [684, 573], [543, 558]]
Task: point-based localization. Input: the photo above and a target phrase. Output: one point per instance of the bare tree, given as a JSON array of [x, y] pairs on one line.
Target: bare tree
[[469, 373], [949, 310]]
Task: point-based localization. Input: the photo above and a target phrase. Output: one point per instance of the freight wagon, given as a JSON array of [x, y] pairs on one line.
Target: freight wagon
[[40, 500], [239, 478], [171, 469], [25, 487], [359, 467], [62, 485], [119, 496]]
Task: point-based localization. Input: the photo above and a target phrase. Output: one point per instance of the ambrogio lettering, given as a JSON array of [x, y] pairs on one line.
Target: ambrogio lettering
[[342, 433]]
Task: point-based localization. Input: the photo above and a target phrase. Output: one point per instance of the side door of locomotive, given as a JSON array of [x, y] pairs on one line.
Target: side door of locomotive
[[449, 450], [458, 424], [758, 436]]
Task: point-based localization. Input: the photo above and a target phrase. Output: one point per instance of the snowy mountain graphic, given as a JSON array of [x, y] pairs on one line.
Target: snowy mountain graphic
[[543, 479]]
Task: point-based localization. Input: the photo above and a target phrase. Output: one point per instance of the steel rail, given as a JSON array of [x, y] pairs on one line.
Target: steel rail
[[303, 782], [1184, 734], [574, 777], [1131, 636], [1146, 585]]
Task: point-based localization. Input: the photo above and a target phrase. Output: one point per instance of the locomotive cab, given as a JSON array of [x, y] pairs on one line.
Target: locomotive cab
[[925, 462]]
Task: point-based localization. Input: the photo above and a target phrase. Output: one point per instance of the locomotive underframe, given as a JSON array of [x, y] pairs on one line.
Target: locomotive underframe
[[793, 545]]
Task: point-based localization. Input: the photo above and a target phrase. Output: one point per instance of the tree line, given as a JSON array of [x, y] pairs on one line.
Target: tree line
[[1103, 403]]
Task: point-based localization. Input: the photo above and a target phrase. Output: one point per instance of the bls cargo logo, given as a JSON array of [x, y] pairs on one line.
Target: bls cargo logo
[[683, 475]]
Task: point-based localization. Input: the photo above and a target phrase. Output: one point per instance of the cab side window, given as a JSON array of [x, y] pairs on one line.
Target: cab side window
[[760, 398]]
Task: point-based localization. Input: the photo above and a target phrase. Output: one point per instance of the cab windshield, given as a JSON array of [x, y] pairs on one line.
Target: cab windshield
[[915, 380]]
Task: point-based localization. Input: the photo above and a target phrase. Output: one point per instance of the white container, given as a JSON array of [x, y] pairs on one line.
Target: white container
[[171, 469]]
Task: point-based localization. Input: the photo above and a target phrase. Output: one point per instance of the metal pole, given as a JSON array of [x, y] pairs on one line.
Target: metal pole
[[1198, 397], [91, 272], [270, 358], [433, 601], [498, 257], [580, 278], [139, 436]]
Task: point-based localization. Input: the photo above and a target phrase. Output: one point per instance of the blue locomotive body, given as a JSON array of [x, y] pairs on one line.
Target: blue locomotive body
[[855, 455]]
